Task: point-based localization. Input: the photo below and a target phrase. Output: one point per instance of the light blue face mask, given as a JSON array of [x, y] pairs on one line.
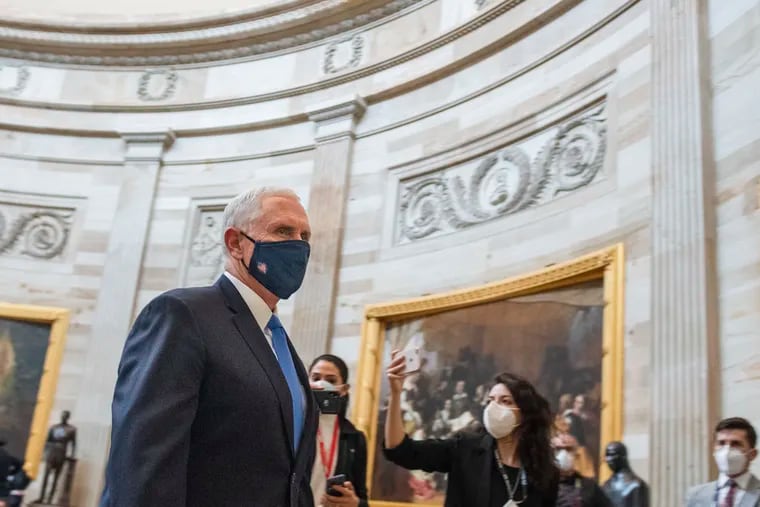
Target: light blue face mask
[[279, 265]]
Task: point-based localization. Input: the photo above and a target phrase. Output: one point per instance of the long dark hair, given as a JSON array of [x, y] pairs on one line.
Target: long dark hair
[[340, 364], [533, 435]]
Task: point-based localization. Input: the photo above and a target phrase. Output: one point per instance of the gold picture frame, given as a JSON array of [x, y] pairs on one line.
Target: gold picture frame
[[606, 265], [58, 320]]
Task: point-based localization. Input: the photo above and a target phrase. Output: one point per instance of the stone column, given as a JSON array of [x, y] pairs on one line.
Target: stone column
[[115, 307], [684, 299], [315, 301]]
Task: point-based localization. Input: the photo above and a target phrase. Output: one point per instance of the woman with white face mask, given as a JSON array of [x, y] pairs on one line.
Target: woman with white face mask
[[510, 464], [341, 448]]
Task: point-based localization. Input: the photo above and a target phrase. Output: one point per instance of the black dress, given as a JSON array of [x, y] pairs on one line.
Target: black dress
[[473, 478], [578, 491]]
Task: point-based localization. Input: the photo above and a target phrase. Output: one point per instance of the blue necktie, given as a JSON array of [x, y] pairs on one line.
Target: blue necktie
[[282, 351]]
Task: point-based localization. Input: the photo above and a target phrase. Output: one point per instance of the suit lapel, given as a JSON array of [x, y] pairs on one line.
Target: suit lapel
[[308, 435], [752, 495], [253, 336]]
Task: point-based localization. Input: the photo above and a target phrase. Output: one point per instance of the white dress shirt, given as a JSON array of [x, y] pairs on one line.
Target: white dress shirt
[[319, 473], [261, 312], [741, 481]]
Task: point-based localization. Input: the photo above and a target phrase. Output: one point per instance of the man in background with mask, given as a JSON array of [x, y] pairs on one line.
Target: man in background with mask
[[212, 405], [574, 489], [734, 450]]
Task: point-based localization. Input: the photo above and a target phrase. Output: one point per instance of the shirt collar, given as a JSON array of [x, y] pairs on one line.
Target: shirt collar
[[741, 481], [259, 309]]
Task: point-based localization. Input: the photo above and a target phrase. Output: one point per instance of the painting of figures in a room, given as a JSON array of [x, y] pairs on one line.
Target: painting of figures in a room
[[553, 338], [23, 346]]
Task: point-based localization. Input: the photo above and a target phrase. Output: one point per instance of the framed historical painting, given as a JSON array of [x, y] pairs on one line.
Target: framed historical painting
[[560, 327], [31, 347]]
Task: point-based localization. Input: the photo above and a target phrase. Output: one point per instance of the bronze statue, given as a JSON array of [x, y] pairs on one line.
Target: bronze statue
[[56, 453], [624, 488]]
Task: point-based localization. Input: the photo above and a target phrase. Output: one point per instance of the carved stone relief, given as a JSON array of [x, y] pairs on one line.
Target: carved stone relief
[[13, 79], [40, 233], [156, 85], [206, 261], [343, 54], [560, 159]]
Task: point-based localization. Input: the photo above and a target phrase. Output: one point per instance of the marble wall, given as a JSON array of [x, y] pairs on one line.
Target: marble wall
[[735, 71], [136, 163]]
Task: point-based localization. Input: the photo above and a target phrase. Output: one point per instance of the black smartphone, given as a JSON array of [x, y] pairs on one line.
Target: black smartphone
[[328, 401], [333, 481]]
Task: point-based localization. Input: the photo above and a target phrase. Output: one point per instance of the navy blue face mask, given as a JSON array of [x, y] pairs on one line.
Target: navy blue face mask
[[278, 265]]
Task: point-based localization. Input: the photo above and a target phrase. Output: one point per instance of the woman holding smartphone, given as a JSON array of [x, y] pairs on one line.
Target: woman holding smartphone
[[341, 448], [511, 463]]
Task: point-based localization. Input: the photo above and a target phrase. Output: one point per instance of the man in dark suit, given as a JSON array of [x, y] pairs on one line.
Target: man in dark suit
[[7, 464], [212, 405], [734, 449]]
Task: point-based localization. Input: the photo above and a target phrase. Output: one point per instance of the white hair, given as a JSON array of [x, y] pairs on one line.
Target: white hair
[[245, 208]]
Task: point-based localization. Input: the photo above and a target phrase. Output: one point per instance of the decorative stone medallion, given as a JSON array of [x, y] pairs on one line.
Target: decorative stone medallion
[[344, 54], [13, 79], [157, 85]]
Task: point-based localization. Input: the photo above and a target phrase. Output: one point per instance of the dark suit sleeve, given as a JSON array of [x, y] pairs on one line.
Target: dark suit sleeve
[[598, 498], [154, 404], [431, 455], [360, 470]]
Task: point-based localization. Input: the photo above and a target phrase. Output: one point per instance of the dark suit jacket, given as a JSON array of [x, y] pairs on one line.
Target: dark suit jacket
[[352, 459], [202, 414], [591, 493], [6, 462], [469, 461]]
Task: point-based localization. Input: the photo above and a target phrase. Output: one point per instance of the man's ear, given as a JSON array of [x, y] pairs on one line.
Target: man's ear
[[232, 243], [752, 454]]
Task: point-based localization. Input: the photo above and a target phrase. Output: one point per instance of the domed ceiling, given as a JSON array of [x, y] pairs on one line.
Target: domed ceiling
[[74, 12], [176, 32]]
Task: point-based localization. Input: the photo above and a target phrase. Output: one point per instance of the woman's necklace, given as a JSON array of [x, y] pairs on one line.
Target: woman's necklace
[[522, 480]]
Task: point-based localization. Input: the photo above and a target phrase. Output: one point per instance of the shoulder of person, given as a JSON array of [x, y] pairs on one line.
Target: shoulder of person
[[705, 490], [188, 299], [468, 438], [348, 428], [192, 295]]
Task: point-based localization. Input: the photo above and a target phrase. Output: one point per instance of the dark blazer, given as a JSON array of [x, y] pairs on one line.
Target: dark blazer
[[592, 494], [352, 458], [202, 414], [466, 457], [6, 463]]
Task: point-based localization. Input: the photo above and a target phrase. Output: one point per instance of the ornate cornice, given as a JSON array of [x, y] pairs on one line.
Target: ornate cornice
[[239, 39]]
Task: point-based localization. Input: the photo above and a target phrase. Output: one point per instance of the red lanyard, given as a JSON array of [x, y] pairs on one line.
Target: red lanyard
[[328, 461]]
